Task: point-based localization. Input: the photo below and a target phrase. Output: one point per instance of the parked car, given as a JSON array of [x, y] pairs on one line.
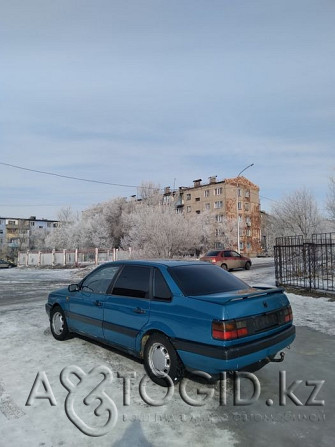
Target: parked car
[[175, 315], [6, 264], [227, 259]]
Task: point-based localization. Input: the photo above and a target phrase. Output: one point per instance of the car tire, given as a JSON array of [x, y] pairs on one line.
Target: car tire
[[58, 324], [161, 360], [247, 266], [224, 266]]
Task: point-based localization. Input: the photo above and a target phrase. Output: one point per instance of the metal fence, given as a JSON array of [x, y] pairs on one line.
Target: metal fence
[[306, 264]]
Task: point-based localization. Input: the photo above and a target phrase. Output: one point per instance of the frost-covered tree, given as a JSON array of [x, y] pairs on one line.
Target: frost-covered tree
[[159, 232], [331, 199], [65, 235], [296, 214]]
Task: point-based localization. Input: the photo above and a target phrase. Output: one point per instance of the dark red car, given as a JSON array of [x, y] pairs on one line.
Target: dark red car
[[227, 259]]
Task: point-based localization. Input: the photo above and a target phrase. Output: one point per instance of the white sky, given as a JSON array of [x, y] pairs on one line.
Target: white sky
[[163, 91]]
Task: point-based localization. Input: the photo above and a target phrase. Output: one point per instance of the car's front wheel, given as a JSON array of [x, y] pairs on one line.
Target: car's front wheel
[[58, 324], [161, 361]]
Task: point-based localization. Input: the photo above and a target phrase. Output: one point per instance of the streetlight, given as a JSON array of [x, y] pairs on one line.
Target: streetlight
[[237, 215]]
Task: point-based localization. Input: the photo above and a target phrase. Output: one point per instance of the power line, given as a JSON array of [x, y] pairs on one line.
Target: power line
[[68, 176]]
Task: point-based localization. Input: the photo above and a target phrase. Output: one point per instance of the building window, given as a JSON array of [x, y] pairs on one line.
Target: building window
[[219, 218], [1, 231], [32, 224], [198, 211], [197, 199], [218, 204], [188, 209], [188, 196], [247, 193], [206, 193], [248, 221], [207, 206], [246, 206], [217, 191], [248, 232], [11, 222], [239, 205], [239, 192]]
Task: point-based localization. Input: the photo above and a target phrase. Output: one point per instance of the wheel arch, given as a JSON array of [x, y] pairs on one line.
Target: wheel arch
[[146, 335]]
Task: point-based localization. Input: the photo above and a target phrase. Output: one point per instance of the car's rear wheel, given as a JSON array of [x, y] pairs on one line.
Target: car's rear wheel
[[58, 324], [161, 361], [224, 266], [247, 265]]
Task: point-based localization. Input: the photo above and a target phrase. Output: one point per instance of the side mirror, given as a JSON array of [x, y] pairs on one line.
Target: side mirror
[[73, 288]]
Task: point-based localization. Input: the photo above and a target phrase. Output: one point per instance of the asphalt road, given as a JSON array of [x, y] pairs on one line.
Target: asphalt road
[[305, 419]]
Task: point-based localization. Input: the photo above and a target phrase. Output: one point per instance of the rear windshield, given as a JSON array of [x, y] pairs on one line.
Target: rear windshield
[[213, 253], [195, 280]]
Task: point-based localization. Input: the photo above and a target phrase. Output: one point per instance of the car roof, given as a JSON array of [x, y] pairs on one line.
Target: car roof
[[156, 262]]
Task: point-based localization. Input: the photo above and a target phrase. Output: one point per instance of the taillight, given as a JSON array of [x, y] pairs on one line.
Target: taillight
[[214, 260], [288, 314], [229, 330]]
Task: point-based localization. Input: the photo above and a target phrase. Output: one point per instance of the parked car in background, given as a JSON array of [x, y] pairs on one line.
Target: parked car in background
[[175, 315], [6, 264], [227, 259]]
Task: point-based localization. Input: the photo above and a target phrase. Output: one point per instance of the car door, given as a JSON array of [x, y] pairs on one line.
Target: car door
[[127, 308], [237, 259], [86, 306]]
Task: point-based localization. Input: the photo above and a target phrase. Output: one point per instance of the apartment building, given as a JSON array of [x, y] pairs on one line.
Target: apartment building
[[225, 200], [17, 233]]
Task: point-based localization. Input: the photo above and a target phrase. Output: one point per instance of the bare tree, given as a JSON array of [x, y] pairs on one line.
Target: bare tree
[[331, 198], [297, 213]]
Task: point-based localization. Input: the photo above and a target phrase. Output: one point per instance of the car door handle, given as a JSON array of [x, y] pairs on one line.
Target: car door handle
[[98, 303], [138, 310]]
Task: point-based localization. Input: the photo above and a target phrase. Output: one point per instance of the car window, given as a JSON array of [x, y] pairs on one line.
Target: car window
[[213, 253], [161, 291], [195, 280], [227, 254], [235, 254], [99, 280], [133, 281]]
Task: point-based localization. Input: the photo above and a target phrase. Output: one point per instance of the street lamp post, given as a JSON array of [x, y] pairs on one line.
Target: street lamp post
[[237, 214]]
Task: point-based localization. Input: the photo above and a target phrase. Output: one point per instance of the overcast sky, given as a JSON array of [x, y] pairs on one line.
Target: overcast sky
[[168, 91]]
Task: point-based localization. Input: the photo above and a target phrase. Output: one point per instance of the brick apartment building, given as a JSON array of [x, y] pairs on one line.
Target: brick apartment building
[[224, 200]]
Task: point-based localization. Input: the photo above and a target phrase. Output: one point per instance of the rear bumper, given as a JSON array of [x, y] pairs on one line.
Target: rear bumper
[[214, 359]]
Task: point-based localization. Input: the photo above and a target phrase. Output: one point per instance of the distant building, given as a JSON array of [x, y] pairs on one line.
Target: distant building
[[225, 200], [18, 233]]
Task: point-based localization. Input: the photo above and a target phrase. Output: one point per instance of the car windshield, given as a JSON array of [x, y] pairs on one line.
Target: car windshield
[[213, 253], [196, 280]]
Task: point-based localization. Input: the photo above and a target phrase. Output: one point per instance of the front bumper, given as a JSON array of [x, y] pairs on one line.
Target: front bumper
[[48, 309]]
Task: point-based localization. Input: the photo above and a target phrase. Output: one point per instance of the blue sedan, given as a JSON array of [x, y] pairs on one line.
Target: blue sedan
[[175, 315]]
